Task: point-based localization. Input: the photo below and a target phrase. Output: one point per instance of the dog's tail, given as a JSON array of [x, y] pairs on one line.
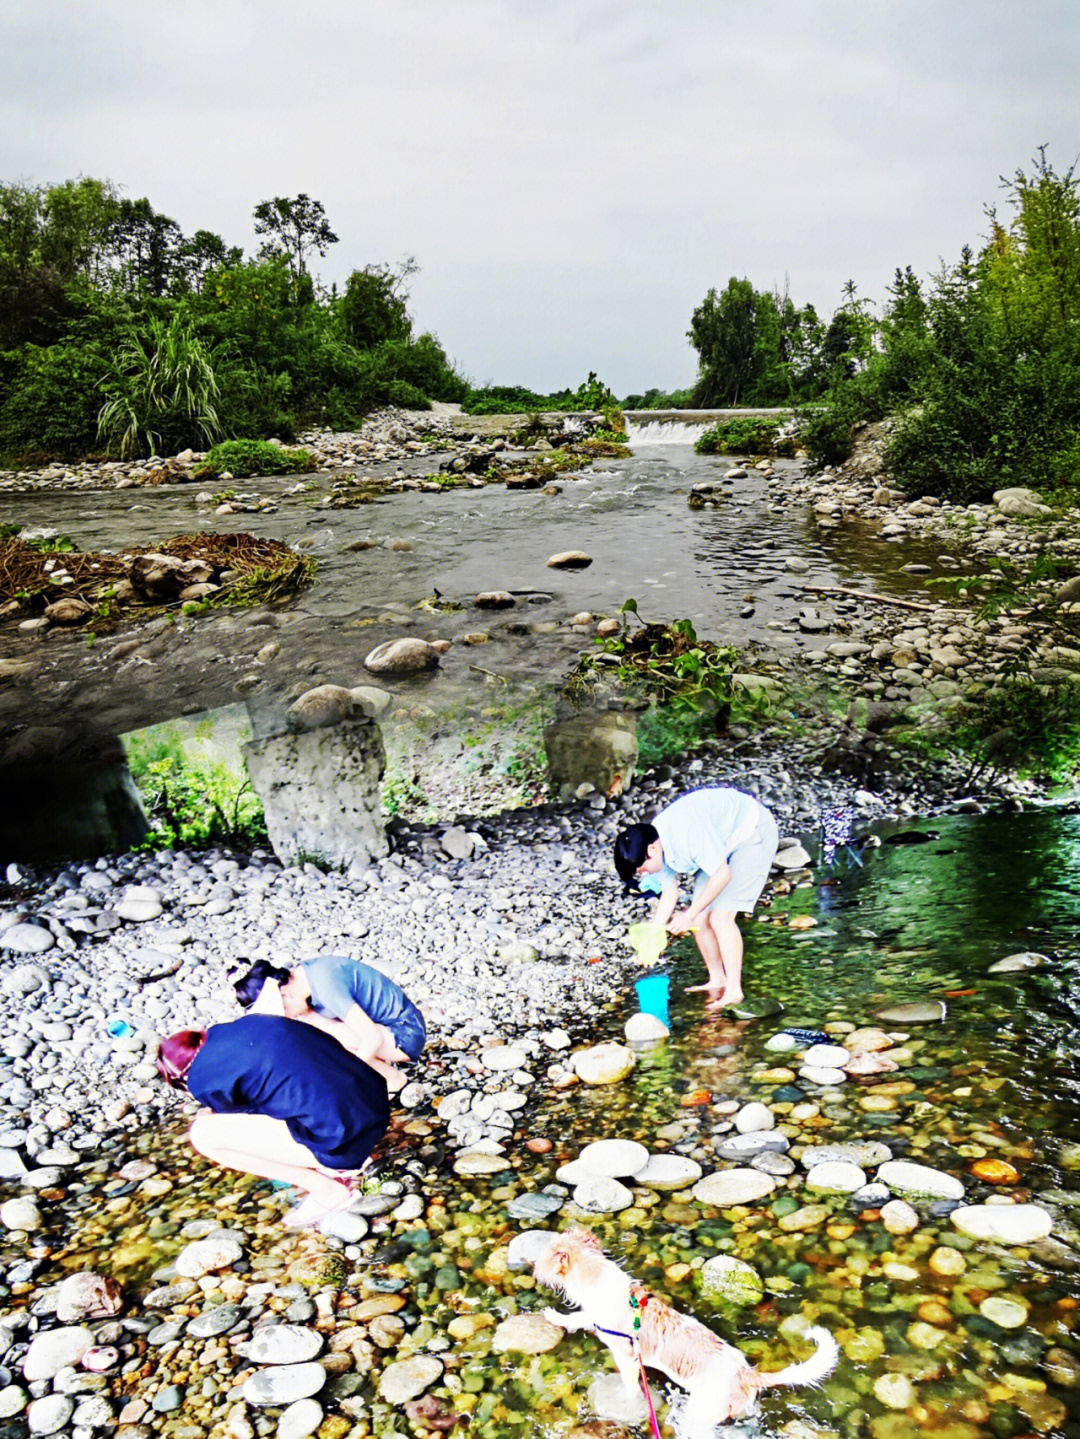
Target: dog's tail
[[810, 1371]]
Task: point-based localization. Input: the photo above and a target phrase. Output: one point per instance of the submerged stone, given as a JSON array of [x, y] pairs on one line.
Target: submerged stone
[[927, 1011], [730, 1187], [1006, 1223], [732, 1279], [911, 1178], [614, 1157]]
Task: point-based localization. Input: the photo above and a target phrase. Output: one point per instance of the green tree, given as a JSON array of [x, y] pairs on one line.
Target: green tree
[[723, 330], [373, 306], [295, 228]]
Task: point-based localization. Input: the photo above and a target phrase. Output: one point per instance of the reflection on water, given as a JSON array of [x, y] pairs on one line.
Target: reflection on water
[[997, 1079]]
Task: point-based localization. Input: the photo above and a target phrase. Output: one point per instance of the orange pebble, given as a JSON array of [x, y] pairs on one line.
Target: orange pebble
[[538, 1146], [994, 1171], [695, 1099]]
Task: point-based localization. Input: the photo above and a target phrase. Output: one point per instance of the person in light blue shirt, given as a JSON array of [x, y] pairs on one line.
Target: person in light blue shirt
[[356, 1003], [726, 841]]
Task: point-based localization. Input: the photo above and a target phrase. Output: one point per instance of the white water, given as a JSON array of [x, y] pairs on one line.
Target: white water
[[665, 432]]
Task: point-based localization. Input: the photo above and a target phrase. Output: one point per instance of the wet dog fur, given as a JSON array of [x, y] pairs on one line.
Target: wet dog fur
[[719, 1381]]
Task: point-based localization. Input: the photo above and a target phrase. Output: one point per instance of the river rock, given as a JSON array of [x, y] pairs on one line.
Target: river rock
[[533, 1205], [527, 1247], [406, 1378], [837, 1177], [282, 1384], [525, 1334], [1012, 963], [472, 1163], [668, 1172], [732, 1279], [747, 1146], [21, 1213], [1005, 1223], [861, 1066], [371, 701], [300, 1419], [603, 1064], [1017, 502], [161, 577], [323, 705], [614, 1158], [570, 560], [401, 656], [281, 1344], [782, 1043], [27, 939], [908, 1178], [899, 1217], [139, 903], [820, 1074], [644, 1028], [754, 1117], [54, 1350], [1005, 1312], [500, 1057], [826, 1056], [894, 1391], [495, 600], [793, 857], [207, 1256], [50, 1413], [85, 1295], [599, 1194], [926, 1011], [863, 1152], [612, 1403], [729, 1187], [866, 1041]]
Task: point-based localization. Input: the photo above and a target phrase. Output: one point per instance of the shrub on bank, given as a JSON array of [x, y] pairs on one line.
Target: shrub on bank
[[745, 436], [243, 458]]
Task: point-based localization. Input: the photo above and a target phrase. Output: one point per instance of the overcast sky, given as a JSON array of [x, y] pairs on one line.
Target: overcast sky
[[571, 175]]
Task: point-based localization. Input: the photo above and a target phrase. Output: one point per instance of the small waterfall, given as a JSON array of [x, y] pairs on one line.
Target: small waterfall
[[665, 432]]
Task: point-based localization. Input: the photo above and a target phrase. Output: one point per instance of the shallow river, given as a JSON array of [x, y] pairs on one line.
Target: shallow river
[[997, 1079]]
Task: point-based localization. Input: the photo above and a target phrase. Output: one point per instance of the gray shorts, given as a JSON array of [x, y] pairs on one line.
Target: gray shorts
[[749, 865]]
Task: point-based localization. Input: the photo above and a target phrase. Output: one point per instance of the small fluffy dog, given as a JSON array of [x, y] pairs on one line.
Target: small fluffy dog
[[719, 1381]]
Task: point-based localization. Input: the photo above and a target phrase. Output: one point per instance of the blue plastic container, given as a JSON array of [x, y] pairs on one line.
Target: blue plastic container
[[653, 991]]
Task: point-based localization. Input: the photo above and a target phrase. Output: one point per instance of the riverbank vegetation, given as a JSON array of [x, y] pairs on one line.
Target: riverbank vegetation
[[979, 366], [121, 335]]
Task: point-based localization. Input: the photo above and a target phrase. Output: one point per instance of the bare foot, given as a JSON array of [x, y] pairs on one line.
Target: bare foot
[[312, 1209], [704, 989], [725, 1001]]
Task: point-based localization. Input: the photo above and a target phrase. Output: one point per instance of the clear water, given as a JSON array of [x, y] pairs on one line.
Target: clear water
[[998, 1078]]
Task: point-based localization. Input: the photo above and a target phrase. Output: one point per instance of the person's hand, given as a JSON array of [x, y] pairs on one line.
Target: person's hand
[[680, 922]]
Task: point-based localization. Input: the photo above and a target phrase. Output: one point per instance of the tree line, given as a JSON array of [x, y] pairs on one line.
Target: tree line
[[979, 365], [119, 334]]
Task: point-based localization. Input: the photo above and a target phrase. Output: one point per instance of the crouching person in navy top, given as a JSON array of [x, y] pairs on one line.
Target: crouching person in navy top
[[282, 1100], [357, 1004]]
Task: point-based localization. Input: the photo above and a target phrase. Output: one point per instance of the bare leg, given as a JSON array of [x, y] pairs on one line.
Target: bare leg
[[729, 942], [711, 953], [255, 1144]]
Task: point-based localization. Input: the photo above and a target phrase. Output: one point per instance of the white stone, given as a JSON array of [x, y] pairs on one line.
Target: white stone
[[300, 1419], [525, 1334], [668, 1172], [899, 1217], [139, 903], [609, 1399], [908, 1178], [614, 1158], [729, 1187], [54, 1350], [503, 1056], [602, 1195], [819, 1074], [836, 1177], [281, 1344], [603, 1063], [732, 1279], [1006, 1223], [405, 1379], [754, 1117], [826, 1056], [644, 1028], [207, 1256], [21, 1213], [50, 1413], [782, 1043], [27, 939], [283, 1384], [1028, 959], [794, 857]]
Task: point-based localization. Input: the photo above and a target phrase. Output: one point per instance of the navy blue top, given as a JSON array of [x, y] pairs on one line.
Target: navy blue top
[[337, 983], [260, 1064]]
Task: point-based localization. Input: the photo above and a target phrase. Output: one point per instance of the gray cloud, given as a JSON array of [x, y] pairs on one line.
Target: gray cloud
[[571, 175]]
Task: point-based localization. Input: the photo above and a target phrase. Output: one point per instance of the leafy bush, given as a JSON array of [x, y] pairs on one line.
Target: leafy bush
[[663, 732], [50, 399], [193, 803], [828, 434], [162, 391], [244, 458], [745, 436]]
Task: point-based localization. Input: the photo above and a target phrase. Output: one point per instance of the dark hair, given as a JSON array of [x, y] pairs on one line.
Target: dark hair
[[249, 986], [176, 1054], [631, 849]]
